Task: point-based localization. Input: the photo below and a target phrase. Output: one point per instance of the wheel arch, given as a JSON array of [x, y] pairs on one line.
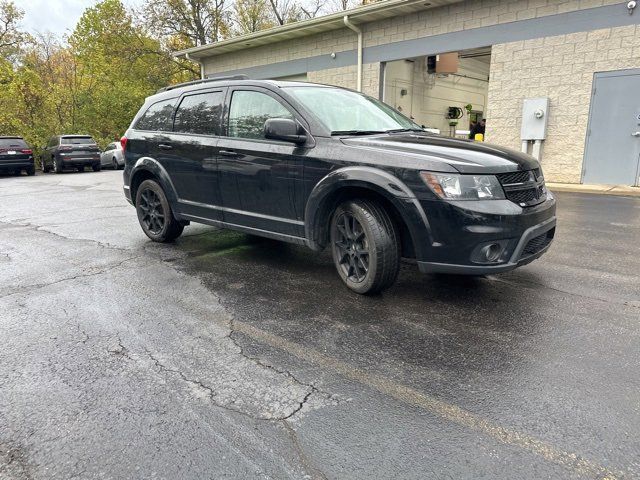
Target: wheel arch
[[149, 169], [372, 184]]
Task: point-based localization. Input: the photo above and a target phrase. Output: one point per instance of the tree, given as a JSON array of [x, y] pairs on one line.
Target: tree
[[11, 38], [286, 11], [251, 16], [193, 22]]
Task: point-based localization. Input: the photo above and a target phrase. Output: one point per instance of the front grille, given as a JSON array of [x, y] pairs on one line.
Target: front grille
[[524, 188], [514, 177], [536, 244]]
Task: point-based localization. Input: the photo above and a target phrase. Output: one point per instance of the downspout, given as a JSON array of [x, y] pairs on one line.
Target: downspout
[[186, 55], [359, 32]]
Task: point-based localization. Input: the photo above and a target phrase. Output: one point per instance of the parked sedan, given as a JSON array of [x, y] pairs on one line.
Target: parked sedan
[[112, 156], [15, 156], [70, 151]]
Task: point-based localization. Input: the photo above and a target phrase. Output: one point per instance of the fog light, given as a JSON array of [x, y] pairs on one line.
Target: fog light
[[491, 253]]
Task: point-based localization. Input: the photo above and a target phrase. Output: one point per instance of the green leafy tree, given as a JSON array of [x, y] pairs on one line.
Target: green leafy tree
[[251, 16]]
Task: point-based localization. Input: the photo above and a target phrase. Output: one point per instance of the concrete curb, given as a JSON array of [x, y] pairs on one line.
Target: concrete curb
[[622, 190]]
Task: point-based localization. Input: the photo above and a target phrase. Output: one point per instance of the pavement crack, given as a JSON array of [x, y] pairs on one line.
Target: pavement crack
[[26, 289], [42, 229], [120, 350], [311, 387]]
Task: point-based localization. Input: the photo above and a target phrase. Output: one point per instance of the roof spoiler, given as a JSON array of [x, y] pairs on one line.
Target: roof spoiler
[[203, 80]]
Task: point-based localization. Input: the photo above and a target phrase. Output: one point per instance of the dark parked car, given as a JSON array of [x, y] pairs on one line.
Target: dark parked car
[[15, 156], [323, 167], [70, 151]]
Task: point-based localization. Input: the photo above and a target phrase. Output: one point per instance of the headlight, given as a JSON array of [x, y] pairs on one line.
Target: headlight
[[453, 186]]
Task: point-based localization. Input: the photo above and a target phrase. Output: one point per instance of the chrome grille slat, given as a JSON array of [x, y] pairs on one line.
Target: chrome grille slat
[[526, 188]]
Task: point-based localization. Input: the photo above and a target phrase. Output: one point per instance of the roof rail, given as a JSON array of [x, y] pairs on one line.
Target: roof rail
[[203, 80]]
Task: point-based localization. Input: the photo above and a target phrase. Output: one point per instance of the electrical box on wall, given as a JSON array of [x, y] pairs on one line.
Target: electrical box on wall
[[535, 117]]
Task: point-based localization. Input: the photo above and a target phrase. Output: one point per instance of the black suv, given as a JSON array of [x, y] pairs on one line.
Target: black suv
[[324, 166], [15, 156], [70, 151]]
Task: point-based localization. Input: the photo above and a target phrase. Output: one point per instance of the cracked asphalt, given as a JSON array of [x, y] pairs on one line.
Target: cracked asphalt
[[228, 356]]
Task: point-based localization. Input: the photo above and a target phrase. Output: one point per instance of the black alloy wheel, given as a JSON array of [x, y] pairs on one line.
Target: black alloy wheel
[[365, 245], [352, 247], [154, 213]]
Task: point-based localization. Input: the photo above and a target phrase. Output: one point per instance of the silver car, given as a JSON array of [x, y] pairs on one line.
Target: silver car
[[112, 156]]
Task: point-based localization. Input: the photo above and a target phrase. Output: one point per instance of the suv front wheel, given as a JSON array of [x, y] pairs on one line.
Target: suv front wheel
[[365, 246], [154, 213]]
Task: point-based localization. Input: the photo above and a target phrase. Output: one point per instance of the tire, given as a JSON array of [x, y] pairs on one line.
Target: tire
[[44, 166], [31, 171], [80, 169], [96, 167], [365, 226], [154, 213], [57, 165], [115, 164]]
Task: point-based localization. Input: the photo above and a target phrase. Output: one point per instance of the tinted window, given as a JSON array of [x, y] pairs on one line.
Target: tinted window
[[157, 117], [199, 114], [76, 140], [249, 111], [10, 143]]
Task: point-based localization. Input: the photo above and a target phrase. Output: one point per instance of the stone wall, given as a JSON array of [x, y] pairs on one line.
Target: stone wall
[[561, 68]]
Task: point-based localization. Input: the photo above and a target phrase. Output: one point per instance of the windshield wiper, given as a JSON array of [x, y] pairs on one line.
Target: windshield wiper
[[357, 132], [398, 130]]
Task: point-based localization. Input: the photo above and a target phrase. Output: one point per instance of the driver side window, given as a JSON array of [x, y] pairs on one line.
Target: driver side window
[[248, 112]]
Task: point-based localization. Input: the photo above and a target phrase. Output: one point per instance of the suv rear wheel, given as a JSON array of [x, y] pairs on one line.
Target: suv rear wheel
[[365, 246], [57, 165], [154, 213]]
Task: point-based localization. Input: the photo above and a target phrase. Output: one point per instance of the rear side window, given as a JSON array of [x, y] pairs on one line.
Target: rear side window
[[111, 146], [157, 117], [199, 114], [249, 110], [76, 140], [12, 143]]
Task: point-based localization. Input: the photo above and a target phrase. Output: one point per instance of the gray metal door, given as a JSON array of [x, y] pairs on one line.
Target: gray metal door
[[613, 139]]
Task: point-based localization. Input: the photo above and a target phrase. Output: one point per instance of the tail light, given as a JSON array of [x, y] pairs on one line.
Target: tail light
[[123, 143], [66, 148], [26, 150], [3, 150]]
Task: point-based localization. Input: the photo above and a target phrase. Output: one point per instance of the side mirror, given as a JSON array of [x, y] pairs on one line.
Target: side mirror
[[284, 129]]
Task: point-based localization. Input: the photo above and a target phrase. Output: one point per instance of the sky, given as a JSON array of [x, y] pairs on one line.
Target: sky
[[56, 16]]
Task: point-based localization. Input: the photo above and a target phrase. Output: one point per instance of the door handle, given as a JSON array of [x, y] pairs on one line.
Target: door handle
[[635, 134], [229, 153], [165, 146]]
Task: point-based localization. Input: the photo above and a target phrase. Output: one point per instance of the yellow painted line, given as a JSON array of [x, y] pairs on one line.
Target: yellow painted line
[[433, 405]]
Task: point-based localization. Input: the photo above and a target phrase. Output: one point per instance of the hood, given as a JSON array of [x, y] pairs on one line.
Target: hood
[[466, 156]]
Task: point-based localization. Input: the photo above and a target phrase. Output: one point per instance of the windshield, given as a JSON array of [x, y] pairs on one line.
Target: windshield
[[76, 140], [344, 111]]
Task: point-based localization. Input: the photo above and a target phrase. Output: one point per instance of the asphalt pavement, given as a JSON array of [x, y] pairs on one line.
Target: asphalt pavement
[[228, 356]]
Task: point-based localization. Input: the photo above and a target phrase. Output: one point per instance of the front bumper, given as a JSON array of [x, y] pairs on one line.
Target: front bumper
[[459, 229], [518, 257]]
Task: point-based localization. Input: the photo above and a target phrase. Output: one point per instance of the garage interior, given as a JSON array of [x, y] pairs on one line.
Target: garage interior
[[445, 92]]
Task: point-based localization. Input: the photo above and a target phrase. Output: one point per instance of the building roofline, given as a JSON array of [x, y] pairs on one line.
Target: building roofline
[[334, 21]]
